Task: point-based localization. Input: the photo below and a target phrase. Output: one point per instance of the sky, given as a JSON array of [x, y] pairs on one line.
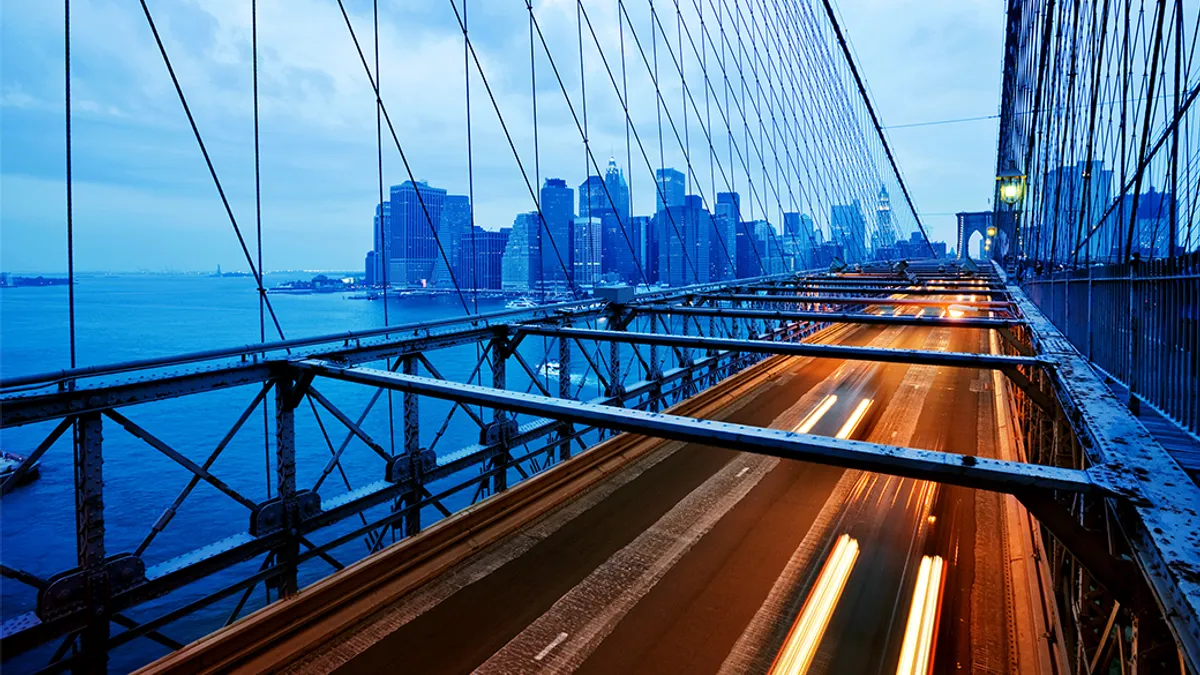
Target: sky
[[144, 200]]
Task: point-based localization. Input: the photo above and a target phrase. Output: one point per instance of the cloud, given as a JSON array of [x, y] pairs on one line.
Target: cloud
[[142, 181]]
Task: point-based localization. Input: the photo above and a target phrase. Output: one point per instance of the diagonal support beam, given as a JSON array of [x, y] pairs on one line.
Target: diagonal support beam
[[978, 472], [197, 470]]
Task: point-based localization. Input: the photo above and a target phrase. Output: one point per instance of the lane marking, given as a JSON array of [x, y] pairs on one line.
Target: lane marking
[[553, 643], [743, 472]]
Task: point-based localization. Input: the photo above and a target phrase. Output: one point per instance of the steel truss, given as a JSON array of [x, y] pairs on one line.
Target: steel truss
[[655, 351]]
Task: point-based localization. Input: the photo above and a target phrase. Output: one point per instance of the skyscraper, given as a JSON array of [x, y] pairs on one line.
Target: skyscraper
[[586, 251], [607, 198], [521, 264], [723, 254], [672, 186], [684, 243], [416, 214], [480, 254], [455, 223], [848, 228], [558, 212], [1067, 217], [382, 232], [883, 239]]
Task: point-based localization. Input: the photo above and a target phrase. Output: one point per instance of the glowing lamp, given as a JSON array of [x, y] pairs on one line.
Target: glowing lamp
[[991, 231], [1012, 186]]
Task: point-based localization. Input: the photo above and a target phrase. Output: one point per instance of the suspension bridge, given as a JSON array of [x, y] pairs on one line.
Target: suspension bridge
[[708, 448]]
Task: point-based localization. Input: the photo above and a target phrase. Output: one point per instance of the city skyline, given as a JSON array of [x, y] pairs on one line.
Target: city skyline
[[560, 250]]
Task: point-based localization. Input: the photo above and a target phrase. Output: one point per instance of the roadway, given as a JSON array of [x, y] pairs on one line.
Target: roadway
[[700, 559]]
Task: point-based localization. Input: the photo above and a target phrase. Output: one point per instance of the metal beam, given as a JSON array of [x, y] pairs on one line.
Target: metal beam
[[977, 472], [19, 410], [902, 290], [831, 317], [851, 300], [911, 356]]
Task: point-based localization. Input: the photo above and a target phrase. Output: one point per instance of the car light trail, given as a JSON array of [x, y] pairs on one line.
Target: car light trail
[[855, 418], [801, 645], [816, 415], [920, 633]]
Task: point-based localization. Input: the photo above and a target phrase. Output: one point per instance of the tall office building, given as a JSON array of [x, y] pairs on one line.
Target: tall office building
[[593, 200], [723, 255], [672, 186], [381, 232], [848, 228], [1068, 215], [455, 223], [521, 266], [372, 268], [1154, 234], [684, 243], [586, 251], [883, 238], [480, 255], [416, 214], [558, 212]]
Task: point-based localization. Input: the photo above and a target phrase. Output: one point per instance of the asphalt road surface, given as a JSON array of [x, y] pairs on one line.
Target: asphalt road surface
[[706, 559]]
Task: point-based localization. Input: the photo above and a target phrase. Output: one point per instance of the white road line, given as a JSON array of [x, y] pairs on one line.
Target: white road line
[[554, 643], [743, 472]]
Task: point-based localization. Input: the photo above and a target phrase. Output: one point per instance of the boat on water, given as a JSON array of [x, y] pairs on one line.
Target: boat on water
[[521, 303], [10, 462], [552, 370]]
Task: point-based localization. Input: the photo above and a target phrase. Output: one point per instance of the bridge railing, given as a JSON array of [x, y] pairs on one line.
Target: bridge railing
[[1139, 322], [176, 565]]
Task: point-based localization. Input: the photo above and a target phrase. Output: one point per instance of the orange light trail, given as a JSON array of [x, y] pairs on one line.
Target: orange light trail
[[816, 415], [920, 633], [854, 419], [801, 644]]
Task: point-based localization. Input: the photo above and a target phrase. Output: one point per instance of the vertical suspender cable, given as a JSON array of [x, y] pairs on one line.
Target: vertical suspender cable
[[70, 204], [383, 231], [262, 297]]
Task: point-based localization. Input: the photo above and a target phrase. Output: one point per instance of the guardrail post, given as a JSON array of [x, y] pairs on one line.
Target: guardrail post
[[286, 399], [500, 420], [654, 374], [1134, 404], [412, 451], [567, 430], [616, 321], [89, 540]]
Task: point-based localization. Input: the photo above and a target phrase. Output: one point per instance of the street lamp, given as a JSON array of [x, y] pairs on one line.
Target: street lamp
[[991, 231], [1012, 186]]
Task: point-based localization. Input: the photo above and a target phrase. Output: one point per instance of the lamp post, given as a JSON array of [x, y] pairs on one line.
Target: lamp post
[[1010, 189]]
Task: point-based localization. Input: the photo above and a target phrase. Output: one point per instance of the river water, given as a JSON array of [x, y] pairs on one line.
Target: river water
[[121, 317]]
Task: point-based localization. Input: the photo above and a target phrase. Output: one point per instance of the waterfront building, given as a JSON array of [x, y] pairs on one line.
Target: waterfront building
[[586, 251], [554, 234], [455, 222], [416, 214], [480, 253], [521, 265]]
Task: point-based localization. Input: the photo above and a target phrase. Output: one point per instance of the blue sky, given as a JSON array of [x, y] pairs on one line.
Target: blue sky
[[144, 199]]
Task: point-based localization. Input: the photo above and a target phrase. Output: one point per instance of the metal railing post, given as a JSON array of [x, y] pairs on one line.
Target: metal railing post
[[412, 451], [567, 430], [285, 482], [90, 541]]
